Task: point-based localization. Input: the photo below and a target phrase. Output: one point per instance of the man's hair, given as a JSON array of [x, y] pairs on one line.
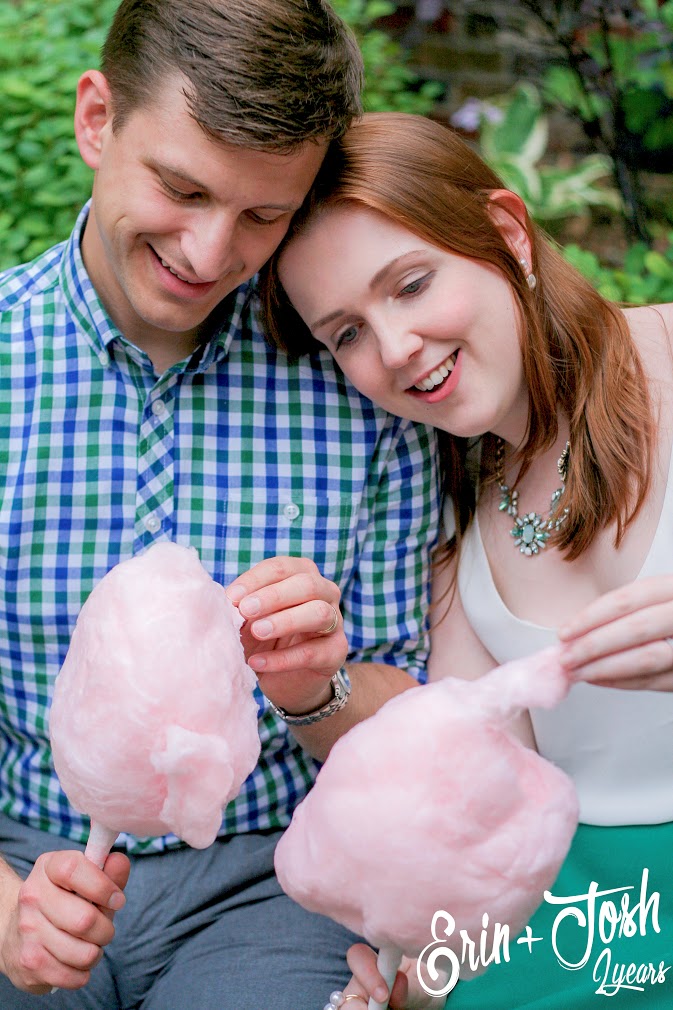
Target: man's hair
[[261, 74]]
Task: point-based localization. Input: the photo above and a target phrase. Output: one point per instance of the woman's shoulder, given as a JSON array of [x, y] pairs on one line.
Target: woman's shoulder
[[651, 328], [653, 322]]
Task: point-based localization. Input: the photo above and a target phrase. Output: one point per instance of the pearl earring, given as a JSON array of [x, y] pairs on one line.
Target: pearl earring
[[531, 279]]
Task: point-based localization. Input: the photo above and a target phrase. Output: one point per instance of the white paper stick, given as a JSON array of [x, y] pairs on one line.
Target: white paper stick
[[100, 842], [387, 962]]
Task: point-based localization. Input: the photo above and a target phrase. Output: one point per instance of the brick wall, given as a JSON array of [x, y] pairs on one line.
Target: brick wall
[[473, 48]]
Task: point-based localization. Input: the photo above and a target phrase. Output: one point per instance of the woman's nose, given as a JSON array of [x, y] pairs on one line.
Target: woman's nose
[[398, 347]]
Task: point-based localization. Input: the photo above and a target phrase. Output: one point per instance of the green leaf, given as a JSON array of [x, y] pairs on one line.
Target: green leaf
[[18, 87], [658, 265]]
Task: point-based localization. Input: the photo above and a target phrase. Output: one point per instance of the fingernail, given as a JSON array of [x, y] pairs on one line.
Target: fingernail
[[262, 629], [257, 663], [117, 901], [235, 593], [380, 993], [251, 606]]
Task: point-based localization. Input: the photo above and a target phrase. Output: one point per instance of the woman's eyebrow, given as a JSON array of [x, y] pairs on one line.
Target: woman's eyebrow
[[378, 278], [376, 281]]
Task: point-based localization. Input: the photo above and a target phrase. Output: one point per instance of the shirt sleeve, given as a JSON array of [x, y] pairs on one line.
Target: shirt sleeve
[[385, 604]]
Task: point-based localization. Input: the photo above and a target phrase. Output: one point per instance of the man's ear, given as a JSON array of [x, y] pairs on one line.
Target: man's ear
[[508, 213], [93, 116]]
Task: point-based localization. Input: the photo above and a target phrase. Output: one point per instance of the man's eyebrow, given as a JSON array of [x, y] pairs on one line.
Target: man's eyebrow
[[177, 173], [162, 166], [376, 281]]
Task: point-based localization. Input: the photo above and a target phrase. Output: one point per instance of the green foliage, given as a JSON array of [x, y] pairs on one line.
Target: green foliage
[[389, 83], [611, 68], [43, 182], [646, 278], [624, 63], [46, 44], [514, 144]]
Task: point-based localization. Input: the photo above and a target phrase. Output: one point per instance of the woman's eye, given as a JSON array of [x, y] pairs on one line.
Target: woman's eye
[[347, 336], [413, 287]]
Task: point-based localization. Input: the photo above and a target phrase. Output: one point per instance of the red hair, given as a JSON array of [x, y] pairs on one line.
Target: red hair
[[578, 354]]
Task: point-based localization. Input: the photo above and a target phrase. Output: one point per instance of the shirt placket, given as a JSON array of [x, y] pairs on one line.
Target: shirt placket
[[155, 498]]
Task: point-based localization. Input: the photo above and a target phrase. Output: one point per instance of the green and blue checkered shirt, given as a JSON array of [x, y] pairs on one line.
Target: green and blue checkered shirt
[[238, 451]]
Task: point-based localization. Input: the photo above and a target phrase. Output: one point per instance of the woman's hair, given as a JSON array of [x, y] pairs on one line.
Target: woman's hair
[[262, 74], [578, 355]]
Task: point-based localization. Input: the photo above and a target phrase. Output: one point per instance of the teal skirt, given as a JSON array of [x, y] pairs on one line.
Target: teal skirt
[[582, 951]]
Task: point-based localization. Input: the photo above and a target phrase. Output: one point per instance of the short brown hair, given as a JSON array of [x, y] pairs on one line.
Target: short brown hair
[[578, 354], [262, 74]]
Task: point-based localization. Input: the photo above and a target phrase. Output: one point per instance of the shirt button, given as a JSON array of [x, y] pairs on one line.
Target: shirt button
[[152, 523], [158, 408], [291, 511], [104, 358]]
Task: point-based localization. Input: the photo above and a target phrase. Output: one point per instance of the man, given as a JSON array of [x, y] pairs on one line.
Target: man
[[140, 402]]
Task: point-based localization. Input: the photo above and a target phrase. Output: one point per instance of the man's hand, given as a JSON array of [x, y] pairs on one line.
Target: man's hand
[[290, 638], [54, 925]]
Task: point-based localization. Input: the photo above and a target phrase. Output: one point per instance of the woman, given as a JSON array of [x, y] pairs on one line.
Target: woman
[[443, 302]]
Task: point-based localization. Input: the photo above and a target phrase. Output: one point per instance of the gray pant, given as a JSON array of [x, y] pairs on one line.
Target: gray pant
[[201, 930]]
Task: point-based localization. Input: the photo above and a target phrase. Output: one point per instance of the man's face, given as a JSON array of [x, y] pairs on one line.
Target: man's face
[[178, 220]]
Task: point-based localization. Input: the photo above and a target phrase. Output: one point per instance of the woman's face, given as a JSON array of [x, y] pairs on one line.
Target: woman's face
[[426, 334]]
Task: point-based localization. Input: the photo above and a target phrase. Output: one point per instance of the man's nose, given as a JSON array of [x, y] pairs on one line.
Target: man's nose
[[210, 247]]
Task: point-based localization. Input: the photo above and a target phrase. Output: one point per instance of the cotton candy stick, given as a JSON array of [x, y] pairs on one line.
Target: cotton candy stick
[[101, 840], [388, 962]]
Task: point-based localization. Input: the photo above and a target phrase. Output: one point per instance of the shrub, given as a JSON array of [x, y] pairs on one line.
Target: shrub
[[646, 278], [513, 138], [43, 181]]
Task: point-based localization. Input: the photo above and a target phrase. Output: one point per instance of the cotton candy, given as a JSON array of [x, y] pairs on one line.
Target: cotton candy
[[432, 804], [153, 723]]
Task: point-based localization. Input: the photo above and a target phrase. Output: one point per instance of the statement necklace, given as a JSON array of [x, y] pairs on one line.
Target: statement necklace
[[531, 531]]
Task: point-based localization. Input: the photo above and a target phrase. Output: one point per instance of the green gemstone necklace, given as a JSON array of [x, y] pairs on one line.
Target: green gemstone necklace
[[531, 531]]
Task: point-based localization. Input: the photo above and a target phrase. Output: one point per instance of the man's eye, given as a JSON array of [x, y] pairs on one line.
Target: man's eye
[[178, 194], [258, 219]]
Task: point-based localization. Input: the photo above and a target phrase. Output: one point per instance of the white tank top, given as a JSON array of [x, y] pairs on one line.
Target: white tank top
[[617, 746]]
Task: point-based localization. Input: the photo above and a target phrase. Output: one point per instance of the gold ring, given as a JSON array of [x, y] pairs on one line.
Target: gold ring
[[337, 999], [333, 625]]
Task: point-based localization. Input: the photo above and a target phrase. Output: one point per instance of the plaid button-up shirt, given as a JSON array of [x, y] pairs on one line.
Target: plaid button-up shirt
[[238, 451]]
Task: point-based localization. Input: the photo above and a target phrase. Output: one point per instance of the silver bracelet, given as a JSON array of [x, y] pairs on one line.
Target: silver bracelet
[[341, 690]]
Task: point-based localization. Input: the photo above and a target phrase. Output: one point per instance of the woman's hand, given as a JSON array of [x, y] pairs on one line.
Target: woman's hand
[[367, 981], [293, 636], [625, 638]]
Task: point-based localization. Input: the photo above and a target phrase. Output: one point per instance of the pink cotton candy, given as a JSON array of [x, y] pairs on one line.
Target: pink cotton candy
[[432, 804], [153, 723]]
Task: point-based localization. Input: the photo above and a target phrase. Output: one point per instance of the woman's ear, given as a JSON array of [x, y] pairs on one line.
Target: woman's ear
[[508, 213], [93, 115]]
